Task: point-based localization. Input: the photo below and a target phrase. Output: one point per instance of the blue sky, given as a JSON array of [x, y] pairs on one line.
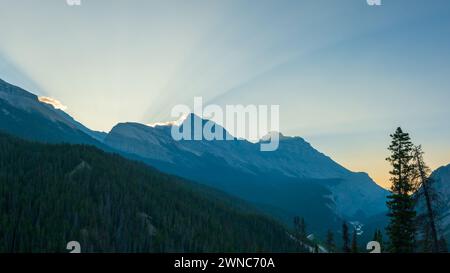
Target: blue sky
[[345, 74]]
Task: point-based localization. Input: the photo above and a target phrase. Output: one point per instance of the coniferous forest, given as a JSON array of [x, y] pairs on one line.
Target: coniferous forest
[[53, 194]]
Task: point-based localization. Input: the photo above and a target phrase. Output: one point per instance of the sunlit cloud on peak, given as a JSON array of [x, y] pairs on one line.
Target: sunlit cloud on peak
[[53, 102], [177, 122]]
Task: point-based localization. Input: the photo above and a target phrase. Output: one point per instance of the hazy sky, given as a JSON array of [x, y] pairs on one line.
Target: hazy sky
[[344, 73]]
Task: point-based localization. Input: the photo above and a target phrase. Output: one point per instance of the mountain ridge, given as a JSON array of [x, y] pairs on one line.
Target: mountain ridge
[[280, 180], [24, 115], [239, 168]]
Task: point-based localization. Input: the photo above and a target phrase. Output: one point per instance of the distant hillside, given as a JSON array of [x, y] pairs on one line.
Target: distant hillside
[[53, 194]]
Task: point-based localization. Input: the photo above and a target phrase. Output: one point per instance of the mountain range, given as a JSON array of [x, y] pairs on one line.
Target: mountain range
[[295, 180]]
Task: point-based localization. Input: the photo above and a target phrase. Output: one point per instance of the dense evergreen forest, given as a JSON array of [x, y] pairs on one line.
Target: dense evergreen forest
[[53, 194]]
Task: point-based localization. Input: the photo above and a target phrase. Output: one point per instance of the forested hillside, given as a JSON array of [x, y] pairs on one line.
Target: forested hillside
[[53, 194]]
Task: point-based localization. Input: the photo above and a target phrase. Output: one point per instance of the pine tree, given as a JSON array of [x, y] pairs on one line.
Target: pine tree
[[401, 229], [330, 241], [426, 243], [428, 220], [300, 227], [443, 245], [355, 242], [378, 237], [345, 239], [303, 228]]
